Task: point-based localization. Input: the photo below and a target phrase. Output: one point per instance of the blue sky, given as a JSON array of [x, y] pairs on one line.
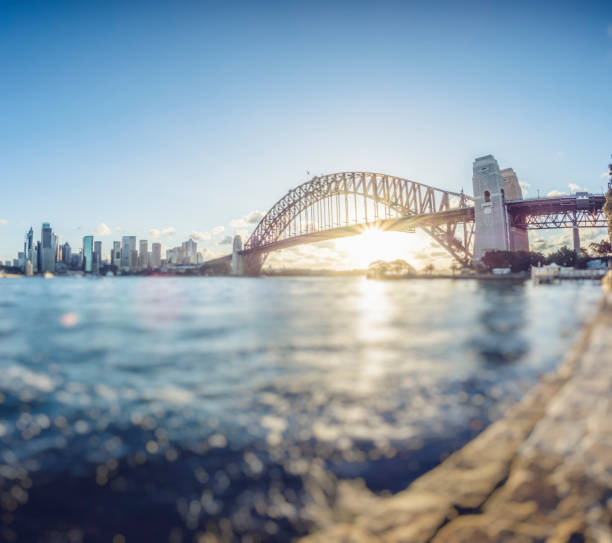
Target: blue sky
[[186, 116]]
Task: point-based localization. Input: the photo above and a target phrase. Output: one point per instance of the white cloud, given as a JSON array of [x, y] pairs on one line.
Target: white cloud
[[102, 230], [554, 193], [117, 228], [218, 229], [604, 175], [200, 235], [575, 188], [524, 187], [227, 240], [164, 232], [3, 221], [248, 220]]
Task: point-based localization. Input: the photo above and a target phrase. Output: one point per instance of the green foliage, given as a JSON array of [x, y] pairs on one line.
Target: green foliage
[[600, 248], [395, 267], [517, 261], [568, 258], [607, 209]]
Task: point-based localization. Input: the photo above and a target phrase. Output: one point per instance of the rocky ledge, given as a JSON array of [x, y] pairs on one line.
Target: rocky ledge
[[541, 474]]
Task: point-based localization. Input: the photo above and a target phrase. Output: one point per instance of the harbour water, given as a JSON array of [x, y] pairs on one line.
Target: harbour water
[[160, 409]]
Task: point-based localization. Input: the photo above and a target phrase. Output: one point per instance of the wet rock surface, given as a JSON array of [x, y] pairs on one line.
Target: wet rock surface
[[541, 474]]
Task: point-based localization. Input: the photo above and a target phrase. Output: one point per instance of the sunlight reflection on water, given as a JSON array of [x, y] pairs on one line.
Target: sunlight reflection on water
[[234, 405]]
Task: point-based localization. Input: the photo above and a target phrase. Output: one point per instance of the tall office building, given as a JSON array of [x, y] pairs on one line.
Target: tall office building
[[66, 253], [133, 260], [29, 244], [143, 254], [47, 256], [116, 254], [36, 257], [88, 254], [128, 244], [58, 249], [191, 250], [156, 256], [97, 256]]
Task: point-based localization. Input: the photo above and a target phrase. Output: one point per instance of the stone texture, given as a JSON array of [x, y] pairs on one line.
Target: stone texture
[[541, 474]]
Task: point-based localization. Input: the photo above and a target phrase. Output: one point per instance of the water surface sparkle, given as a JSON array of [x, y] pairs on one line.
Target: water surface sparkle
[[163, 408]]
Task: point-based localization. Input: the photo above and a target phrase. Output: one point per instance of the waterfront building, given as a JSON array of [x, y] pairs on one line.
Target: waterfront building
[[97, 257], [88, 254], [58, 249], [36, 257], [29, 244], [76, 261], [66, 253], [128, 244], [29, 270], [47, 256], [116, 254], [190, 248], [143, 256], [133, 262], [156, 256]]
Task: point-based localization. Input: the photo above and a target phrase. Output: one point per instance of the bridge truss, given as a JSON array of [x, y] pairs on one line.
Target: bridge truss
[[560, 212], [336, 202]]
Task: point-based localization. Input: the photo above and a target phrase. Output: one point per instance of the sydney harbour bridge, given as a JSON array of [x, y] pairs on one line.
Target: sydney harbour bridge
[[347, 203]]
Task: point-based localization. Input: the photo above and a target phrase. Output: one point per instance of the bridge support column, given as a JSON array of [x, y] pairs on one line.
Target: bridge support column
[[492, 229], [244, 264], [576, 233]]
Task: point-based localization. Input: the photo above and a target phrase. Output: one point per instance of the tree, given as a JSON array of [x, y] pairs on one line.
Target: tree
[[600, 248], [517, 261], [429, 268], [564, 257], [607, 208]]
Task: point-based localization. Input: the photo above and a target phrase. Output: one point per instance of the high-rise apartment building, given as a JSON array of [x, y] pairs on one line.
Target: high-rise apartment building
[[156, 256], [143, 255], [88, 254], [133, 260], [128, 244]]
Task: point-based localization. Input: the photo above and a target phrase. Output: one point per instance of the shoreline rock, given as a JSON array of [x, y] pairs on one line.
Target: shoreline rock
[[542, 473]]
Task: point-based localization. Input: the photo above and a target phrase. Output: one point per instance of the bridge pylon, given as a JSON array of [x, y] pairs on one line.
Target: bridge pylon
[[244, 265], [493, 228]]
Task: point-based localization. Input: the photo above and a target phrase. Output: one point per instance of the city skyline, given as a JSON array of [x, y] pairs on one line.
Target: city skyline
[[48, 254], [146, 126]]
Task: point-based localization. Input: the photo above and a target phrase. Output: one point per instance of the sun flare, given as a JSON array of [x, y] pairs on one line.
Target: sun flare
[[375, 244]]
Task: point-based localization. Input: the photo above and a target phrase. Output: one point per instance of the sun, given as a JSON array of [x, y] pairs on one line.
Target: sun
[[374, 244]]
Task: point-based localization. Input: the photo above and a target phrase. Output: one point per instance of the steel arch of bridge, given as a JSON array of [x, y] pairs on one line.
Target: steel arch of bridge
[[360, 198]]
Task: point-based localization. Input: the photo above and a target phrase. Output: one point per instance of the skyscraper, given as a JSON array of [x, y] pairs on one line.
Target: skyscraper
[[29, 244], [97, 256], [191, 250], [116, 254], [88, 254], [58, 248], [133, 260], [128, 244], [156, 256], [143, 255], [47, 256], [66, 253]]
